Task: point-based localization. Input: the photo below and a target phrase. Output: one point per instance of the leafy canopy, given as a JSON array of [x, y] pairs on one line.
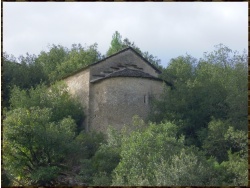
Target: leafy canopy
[[215, 86], [155, 156], [55, 98], [35, 147], [39, 134]]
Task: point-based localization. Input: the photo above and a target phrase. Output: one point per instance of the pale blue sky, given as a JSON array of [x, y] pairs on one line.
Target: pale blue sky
[[165, 30]]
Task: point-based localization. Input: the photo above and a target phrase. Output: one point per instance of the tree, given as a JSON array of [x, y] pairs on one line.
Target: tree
[[91, 142], [26, 95], [97, 168], [40, 135], [60, 61], [26, 68], [180, 103], [49, 61], [214, 86], [107, 158], [116, 44], [236, 169], [232, 74], [221, 138], [36, 149], [78, 57], [155, 156], [8, 76], [56, 98], [186, 168]]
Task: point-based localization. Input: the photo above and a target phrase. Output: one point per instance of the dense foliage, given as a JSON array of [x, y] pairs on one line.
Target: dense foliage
[[24, 73], [35, 148], [213, 87], [196, 133], [60, 61], [55, 98], [39, 134], [155, 156], [48, 67]]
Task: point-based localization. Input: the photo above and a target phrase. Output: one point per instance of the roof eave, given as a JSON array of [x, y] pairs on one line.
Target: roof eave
[[150, 78]]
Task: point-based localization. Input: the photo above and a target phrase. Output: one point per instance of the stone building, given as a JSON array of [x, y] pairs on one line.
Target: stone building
[[115, 89]]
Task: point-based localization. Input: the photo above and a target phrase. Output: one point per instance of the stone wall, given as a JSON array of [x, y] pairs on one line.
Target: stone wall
[[78, 85], [114, 101]]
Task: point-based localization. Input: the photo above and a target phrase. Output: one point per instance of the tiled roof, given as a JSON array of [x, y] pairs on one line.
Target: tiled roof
[[126, 72], [132, 49], [130, 73]]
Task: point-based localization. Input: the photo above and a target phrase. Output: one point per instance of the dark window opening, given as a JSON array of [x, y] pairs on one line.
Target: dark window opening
[[145, 99]]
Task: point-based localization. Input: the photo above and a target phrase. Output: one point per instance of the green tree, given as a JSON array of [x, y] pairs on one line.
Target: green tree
[[24, 73], [221, 137], [91, 142], [180, 103], [116, 44], [215, 86], [9, 75], [155, 156], [40, 132], [49, 61], [236, 169], [56, 98], [60, 61], [107, 158], [78, 57], [186, 168], [36, 149], [232, 76], [97, 168]]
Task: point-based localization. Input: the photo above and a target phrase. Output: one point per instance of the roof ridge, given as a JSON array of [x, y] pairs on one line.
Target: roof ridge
[[127, 72]]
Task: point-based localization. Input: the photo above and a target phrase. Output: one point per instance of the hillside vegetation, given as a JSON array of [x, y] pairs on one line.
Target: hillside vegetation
[[196, 133]]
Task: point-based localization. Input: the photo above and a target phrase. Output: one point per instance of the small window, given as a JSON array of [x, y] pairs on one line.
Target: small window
[[145, 99]]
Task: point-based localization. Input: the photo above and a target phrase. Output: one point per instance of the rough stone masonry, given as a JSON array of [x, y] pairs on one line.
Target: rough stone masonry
[[115, 89]]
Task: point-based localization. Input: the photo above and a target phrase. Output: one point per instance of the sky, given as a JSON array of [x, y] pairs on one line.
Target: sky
[[166, 30]]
